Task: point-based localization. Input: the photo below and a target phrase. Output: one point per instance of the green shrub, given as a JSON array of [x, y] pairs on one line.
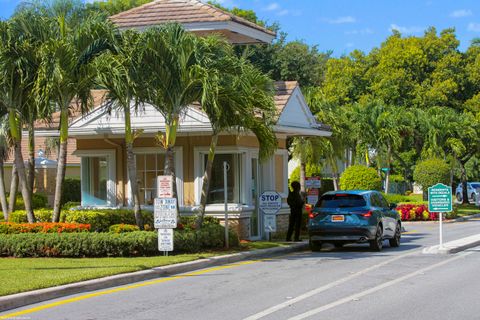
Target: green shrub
[[71, 191], [360, 178], [430, 172], [121, 228], [137, 243], [99, 219], [79, 244], [310, 170], [71, 204], [102, 219], [20, 216], [39, 201], [398, 198]]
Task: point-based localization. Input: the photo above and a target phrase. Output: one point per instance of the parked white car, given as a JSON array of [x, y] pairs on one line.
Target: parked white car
[[473, 191]]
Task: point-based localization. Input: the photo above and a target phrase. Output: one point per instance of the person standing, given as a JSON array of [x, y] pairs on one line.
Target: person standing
[[296, 202]]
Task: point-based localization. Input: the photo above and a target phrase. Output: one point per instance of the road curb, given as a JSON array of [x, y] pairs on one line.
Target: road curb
[[454, 246], [460, 219], [26, 298]]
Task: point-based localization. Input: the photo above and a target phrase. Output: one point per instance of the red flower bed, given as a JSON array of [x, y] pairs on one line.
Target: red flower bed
[[416, 212], [42, 227]]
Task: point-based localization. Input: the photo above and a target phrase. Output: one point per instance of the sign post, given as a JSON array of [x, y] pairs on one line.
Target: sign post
[[165, 213], [270, 202], [440, 200]]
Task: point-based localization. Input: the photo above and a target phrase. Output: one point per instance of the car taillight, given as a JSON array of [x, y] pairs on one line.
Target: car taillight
[[312, 215], [367, 215]]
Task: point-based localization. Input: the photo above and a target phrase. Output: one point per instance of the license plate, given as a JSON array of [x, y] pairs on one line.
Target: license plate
[[338, 218]]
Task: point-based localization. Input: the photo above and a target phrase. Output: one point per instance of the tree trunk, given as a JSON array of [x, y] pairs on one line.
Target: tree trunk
[[333, 164], [31, 158], [302, 176], [206, 181], [3, 197], [22, 178], [61, 168], [13, 190], [61, 164], [170, 139], [464, 183], [16, 133], [132, 169], [387, 173]]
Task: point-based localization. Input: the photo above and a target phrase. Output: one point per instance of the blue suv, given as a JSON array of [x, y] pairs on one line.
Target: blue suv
[[354, 216]]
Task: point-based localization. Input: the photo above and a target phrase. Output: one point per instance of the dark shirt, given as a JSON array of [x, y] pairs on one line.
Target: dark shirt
[[295, 201]]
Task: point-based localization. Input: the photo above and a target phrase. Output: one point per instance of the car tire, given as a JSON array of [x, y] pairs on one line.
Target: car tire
[[338, 245], [377, 243], [474, 198], [459, 197], [315, 245], [395, 241]]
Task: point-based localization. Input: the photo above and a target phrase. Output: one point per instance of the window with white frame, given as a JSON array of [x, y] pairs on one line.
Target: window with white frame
[[216, 193], [97, 178], [149, 166]]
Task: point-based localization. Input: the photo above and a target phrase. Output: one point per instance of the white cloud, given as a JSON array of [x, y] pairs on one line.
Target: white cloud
[[341, 20], [409, 30], [360, 32], [461, 13], [282, 12], [475, 27], [349, 44], [272, 6]]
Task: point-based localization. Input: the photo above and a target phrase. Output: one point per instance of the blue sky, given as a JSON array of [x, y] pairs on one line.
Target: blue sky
[[344, 25]]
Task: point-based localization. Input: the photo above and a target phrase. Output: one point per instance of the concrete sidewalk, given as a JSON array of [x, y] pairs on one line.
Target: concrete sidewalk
[[26, 298], [454, 246]]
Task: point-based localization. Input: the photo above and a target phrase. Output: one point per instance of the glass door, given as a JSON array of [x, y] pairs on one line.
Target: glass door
[[255, 220]]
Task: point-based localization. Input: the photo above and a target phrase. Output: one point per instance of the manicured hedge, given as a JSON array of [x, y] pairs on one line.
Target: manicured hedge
[[42, 227], [99, 219], [138, 243], [360, 178], [122, 228], [39, 200]]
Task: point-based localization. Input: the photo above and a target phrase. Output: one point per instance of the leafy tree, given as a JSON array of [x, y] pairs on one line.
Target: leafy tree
[[112, 7], [430, 172], [360, 177], [67, 70], [16, 85], [120, 71], [244, 101]]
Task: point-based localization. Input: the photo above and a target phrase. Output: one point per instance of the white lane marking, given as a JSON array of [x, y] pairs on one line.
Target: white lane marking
[[375, 289], [325, 287]]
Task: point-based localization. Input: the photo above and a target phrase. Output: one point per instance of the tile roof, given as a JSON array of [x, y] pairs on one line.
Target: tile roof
[[283, 92], [181, 11]]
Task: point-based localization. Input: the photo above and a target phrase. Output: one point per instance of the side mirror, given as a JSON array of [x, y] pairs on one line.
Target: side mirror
[[393, 206]]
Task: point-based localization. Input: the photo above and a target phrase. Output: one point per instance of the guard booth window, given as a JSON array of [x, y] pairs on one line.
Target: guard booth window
[[234, 183]]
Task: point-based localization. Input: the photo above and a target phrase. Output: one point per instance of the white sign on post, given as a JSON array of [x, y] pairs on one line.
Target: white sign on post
[[313, 182], [270, 202], [270, 222], [164, 187], [165, 239], [165, 213]]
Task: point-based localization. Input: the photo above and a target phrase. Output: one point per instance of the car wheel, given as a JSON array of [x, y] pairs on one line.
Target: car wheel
[[459, 197], [474, 198], [338, 245], [395, 241], [377, 243], [315, 245]]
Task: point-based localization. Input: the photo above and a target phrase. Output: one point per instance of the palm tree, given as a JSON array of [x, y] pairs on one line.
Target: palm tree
[[121, 73], [16, 84], [4, 142], [243, 100], [178, 74], [67, 70]]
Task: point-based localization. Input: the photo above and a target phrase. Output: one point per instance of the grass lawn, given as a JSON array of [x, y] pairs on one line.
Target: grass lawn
[[25, 274], [466, 210]]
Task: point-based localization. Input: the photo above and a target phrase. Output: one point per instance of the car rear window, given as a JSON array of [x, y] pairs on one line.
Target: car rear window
[[341, 201]]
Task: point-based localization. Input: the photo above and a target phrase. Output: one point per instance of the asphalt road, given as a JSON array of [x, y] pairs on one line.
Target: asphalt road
[[347, 283]]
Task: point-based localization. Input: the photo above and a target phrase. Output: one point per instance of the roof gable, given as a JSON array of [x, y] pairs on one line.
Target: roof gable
[[195, 16]]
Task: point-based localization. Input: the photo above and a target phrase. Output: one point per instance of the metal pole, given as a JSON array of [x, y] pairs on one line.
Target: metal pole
[[225, 194], [441, 230]]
